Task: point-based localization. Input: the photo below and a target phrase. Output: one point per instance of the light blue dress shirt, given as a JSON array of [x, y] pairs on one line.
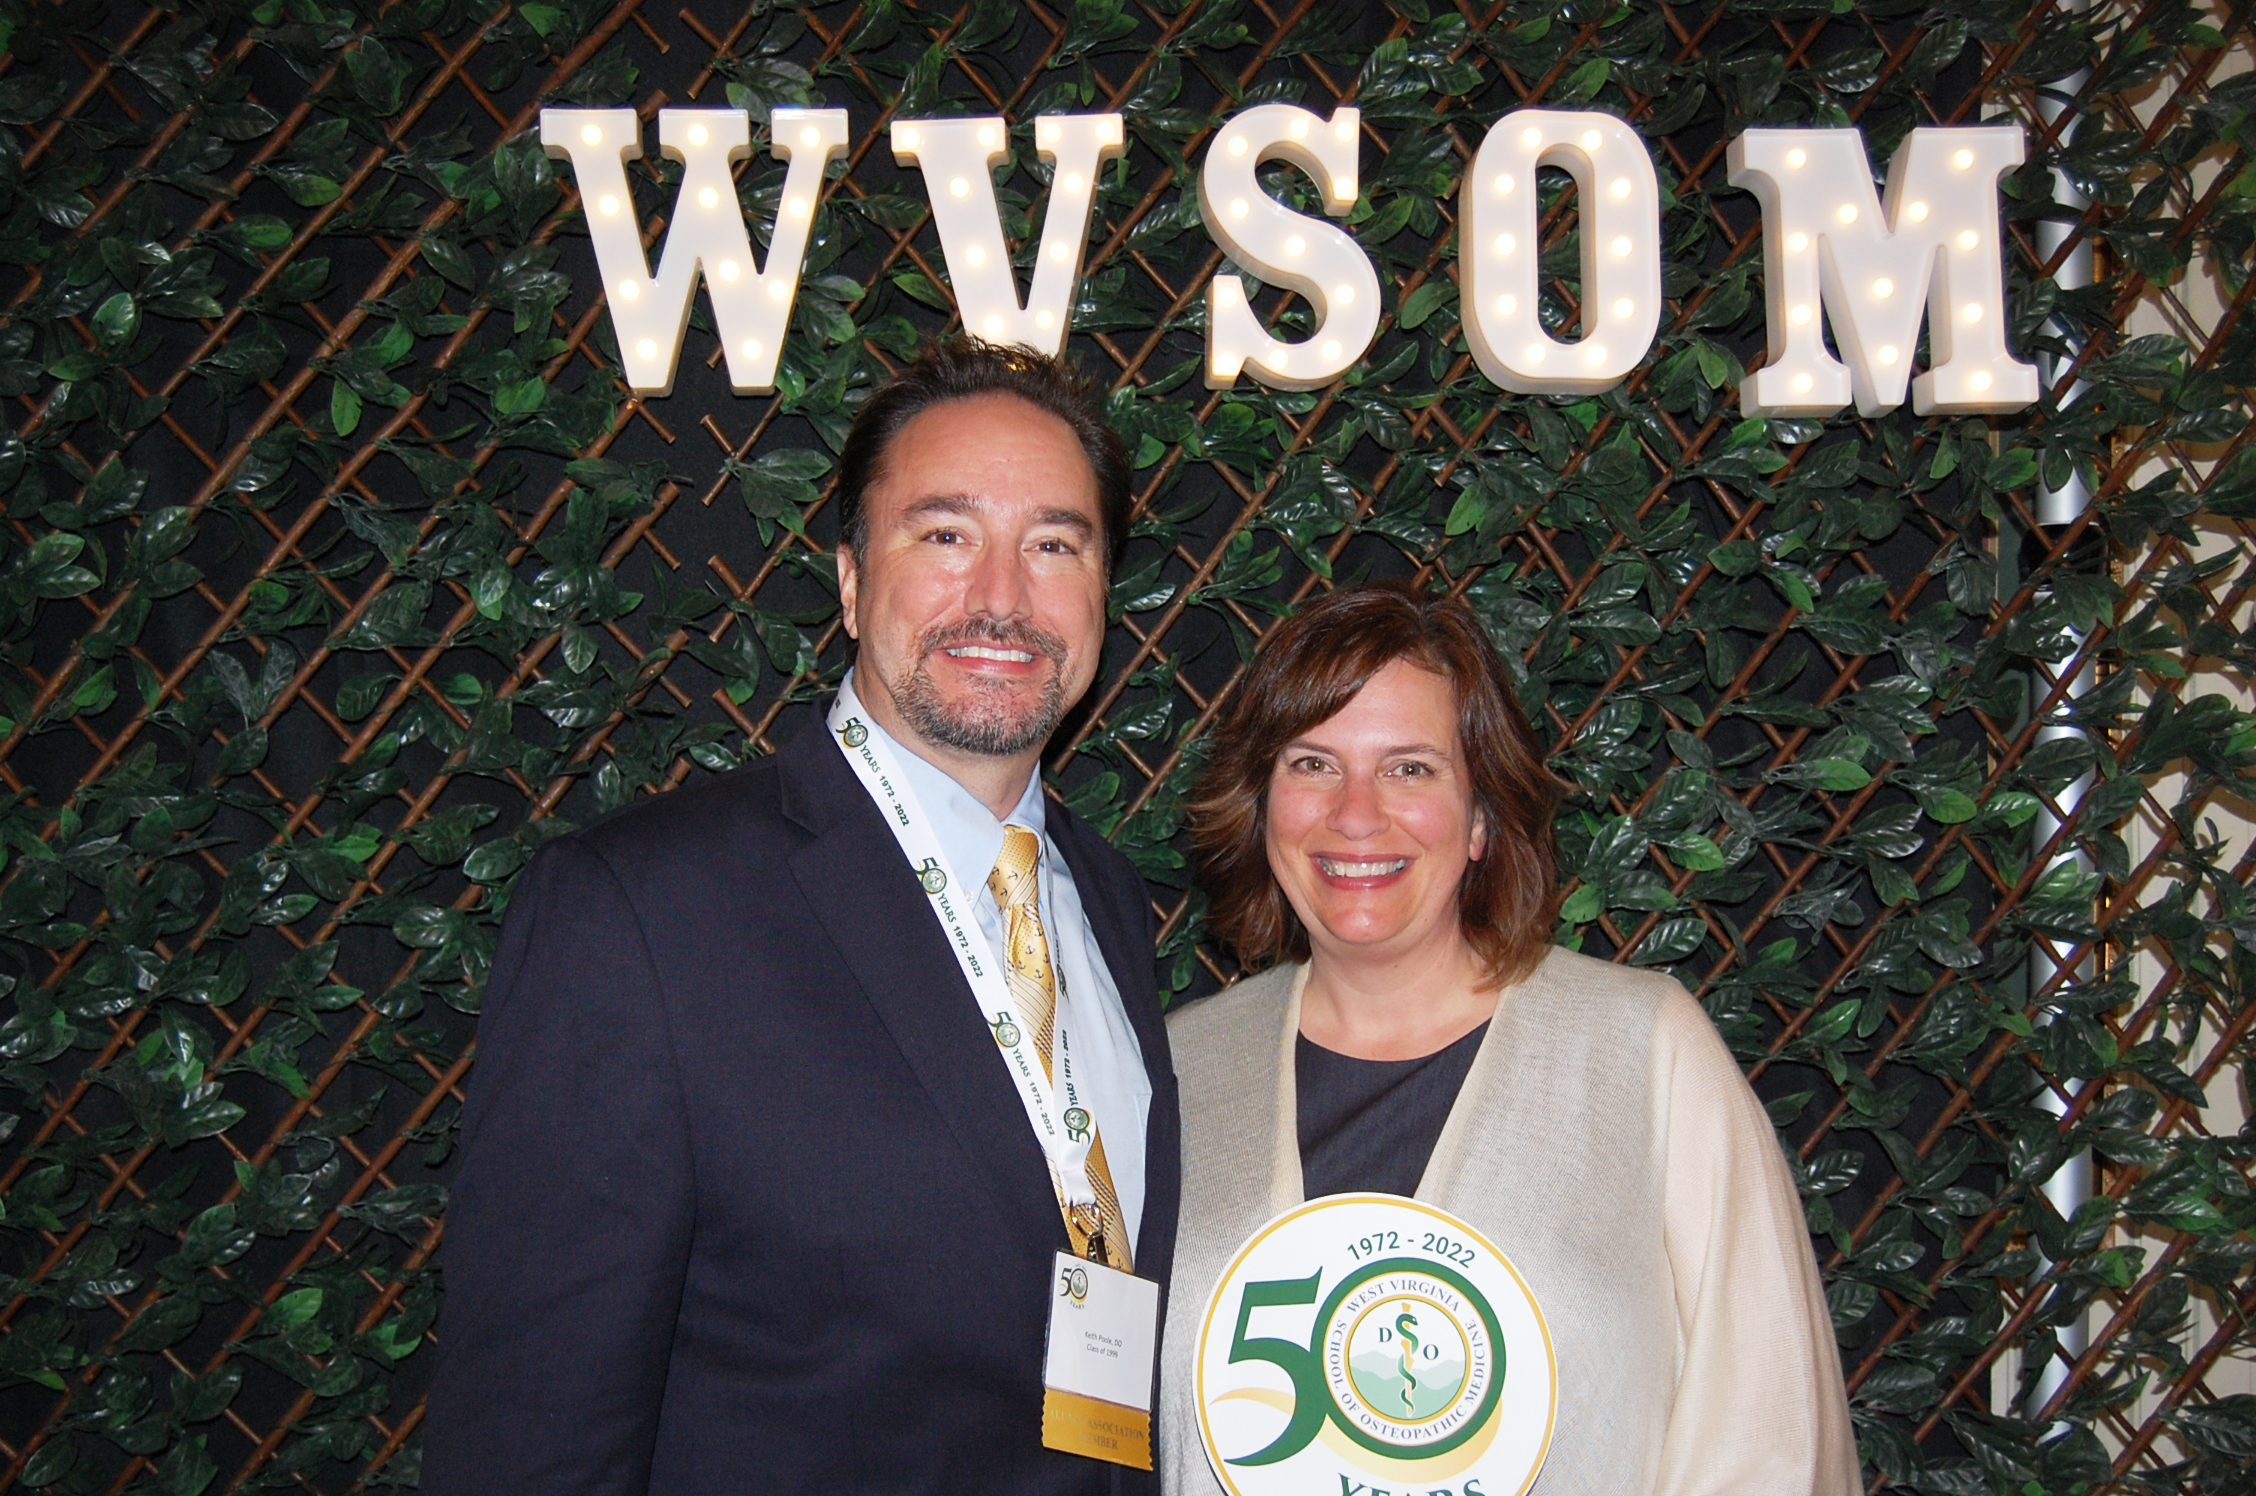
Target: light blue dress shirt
[[1107, 1060]]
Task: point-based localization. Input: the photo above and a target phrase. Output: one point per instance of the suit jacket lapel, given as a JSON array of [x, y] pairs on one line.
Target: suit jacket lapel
[[1119, 932], [879, 918]]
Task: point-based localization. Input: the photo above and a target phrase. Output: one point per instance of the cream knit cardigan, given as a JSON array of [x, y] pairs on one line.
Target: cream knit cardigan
[[1607, 1143]]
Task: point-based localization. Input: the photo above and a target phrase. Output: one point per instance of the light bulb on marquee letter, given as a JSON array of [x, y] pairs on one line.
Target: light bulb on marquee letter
[[1319, 260], [1619, 204], [704, 232], [957, 157], [1934, 245]]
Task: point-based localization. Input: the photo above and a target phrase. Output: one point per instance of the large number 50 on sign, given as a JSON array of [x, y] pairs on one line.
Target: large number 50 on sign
[[1379, 1341]]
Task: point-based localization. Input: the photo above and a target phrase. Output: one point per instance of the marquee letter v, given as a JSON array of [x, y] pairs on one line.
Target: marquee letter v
[[956, 156]]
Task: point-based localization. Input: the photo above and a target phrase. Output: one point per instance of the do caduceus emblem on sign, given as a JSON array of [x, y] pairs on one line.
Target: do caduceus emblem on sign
[[1379, 1341]]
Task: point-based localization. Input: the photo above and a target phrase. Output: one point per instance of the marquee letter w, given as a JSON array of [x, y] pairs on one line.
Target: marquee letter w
[[704, 232]]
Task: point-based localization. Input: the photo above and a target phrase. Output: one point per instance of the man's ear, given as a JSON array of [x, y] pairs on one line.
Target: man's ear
[[849, 590]]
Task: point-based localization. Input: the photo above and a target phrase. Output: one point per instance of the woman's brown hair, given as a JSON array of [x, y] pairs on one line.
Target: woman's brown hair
[[1305, 672]]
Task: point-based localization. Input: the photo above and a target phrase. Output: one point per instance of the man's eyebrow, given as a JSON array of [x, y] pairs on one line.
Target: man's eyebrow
[[939, 504], [1067, 519]]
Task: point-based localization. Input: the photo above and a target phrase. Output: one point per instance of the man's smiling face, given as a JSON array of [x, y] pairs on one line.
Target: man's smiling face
[[978, 597]]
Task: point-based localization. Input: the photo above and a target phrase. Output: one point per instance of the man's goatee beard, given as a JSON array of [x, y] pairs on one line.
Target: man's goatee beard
[[995, 727]]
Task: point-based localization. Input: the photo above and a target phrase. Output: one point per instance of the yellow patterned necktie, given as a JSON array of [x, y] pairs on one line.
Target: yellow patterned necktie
[[1016, 884]]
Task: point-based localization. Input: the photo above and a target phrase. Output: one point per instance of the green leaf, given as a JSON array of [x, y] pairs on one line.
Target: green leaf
[[920, 287], [1736, 558], [344, 409], [1796, 591], [1833, 1025], [308, 189], [1584, 82], [2226, 1425], [521, 398], [291, 1310], [1466, 514], [1671, 940], [2013, 807], [1891, 884], [1431, 296], [1841, 775], [2014, 469], [28, 98], [1947, 805], [449, 260], [493, 862], [196, 1399], [1387, 221], [1093, 24], [116, 320], [400, 1211], [393, 347]]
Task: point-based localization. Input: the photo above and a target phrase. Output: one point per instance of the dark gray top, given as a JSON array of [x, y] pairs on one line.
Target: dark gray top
[[1371, 1124]]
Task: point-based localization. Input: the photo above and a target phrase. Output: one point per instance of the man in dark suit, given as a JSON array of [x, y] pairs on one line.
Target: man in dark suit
[[750, 1200]]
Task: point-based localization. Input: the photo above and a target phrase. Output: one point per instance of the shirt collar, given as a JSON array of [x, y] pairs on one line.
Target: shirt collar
[[967, 829]]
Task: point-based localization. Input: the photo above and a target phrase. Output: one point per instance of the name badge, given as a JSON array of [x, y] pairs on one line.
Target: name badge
[[1097, 1370]]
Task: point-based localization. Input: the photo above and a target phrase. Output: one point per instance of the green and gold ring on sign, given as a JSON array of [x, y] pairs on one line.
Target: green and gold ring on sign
[[1374, 1339]]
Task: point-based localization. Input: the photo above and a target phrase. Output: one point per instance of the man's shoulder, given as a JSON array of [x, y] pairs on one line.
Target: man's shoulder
[[727, 816]]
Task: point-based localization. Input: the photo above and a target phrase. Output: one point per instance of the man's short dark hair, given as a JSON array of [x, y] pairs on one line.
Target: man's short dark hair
[[957, 369]]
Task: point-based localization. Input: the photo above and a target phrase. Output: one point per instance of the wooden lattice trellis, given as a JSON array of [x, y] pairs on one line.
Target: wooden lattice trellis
[[340, 572]]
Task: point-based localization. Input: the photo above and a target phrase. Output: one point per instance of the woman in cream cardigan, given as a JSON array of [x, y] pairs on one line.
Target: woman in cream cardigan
[[1375, 820]]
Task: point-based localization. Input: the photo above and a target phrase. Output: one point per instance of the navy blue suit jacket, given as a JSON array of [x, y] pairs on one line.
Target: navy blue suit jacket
[[747, 1199]]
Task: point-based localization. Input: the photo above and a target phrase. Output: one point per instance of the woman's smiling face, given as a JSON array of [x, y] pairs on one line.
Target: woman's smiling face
[[1372, 819]]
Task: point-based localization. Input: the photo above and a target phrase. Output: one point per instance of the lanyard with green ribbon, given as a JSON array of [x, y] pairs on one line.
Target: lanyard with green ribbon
[[1064, 1135]]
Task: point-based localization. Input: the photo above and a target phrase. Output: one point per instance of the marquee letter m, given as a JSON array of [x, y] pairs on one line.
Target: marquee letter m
[[1830, 242]]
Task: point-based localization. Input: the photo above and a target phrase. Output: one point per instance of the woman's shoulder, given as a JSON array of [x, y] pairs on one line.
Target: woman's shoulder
[[1576, 977], [1575, 990], [1609, 1003], [1242, 1018]]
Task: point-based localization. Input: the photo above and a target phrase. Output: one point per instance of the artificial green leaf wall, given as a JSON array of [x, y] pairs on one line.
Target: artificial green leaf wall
[[339, 571]]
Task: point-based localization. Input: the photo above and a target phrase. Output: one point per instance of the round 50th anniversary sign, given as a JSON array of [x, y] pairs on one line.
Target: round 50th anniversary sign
[[1379, 1341]]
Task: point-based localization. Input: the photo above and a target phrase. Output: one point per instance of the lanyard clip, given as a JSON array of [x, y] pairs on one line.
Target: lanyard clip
[[1090, 1220]]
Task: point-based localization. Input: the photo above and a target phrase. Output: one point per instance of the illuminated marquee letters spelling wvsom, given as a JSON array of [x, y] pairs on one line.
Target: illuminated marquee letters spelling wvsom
[[1871, 264]]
